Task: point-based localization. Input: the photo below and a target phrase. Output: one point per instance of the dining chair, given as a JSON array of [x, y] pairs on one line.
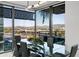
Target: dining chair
[[16, 51], [71, 54], [73, 51], [17, 47], [24, 50], [17, 38]]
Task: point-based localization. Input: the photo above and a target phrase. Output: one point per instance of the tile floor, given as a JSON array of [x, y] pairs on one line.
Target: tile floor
[[7, 54]]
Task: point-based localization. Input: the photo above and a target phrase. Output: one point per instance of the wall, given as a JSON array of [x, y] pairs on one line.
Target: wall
[[71, 24]]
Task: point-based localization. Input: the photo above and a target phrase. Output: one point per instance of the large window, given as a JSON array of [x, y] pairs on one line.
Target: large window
[[26, 26], [58, 25], [58, 28], [7, 34], [5, 28], [42, 23], [50, 25]]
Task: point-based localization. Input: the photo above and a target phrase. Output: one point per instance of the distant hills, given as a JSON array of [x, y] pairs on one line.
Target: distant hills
[[38, 27]]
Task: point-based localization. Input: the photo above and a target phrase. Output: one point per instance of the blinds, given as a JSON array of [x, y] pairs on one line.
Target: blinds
[[19, 14]]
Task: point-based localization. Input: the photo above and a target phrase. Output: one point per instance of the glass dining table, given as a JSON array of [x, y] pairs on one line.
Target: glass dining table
[[57, 48]]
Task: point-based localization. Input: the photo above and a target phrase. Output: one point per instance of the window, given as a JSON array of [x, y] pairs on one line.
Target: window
[[7, 34], [42, 23], [25, 27]]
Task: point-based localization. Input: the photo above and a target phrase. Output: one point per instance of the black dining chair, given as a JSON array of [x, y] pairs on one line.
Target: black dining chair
[[73, 51], [17, 39], [24, 50], [17, 47], [71, 54], [16, 51]]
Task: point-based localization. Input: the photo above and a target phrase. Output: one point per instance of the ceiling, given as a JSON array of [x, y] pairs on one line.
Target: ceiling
[[19, 4], [23, 4]]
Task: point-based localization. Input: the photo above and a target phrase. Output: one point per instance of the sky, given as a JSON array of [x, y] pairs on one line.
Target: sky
[[57, 19]]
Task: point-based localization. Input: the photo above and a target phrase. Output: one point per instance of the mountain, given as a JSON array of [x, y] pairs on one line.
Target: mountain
[[55, 26]]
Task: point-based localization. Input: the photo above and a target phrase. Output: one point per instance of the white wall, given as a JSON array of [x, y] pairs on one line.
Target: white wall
[[71, 24]]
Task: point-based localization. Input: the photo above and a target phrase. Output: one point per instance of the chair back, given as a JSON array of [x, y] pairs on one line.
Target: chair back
[[24, 50], [17, 39], [16, 47], [73, 50], [16, 51]]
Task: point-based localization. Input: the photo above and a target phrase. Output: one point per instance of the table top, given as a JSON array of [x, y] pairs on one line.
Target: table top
[[57, 47], [25, 41]]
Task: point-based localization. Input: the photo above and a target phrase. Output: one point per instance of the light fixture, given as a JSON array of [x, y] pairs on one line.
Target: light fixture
[[36, 5], [29, 7], [41, 2]]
